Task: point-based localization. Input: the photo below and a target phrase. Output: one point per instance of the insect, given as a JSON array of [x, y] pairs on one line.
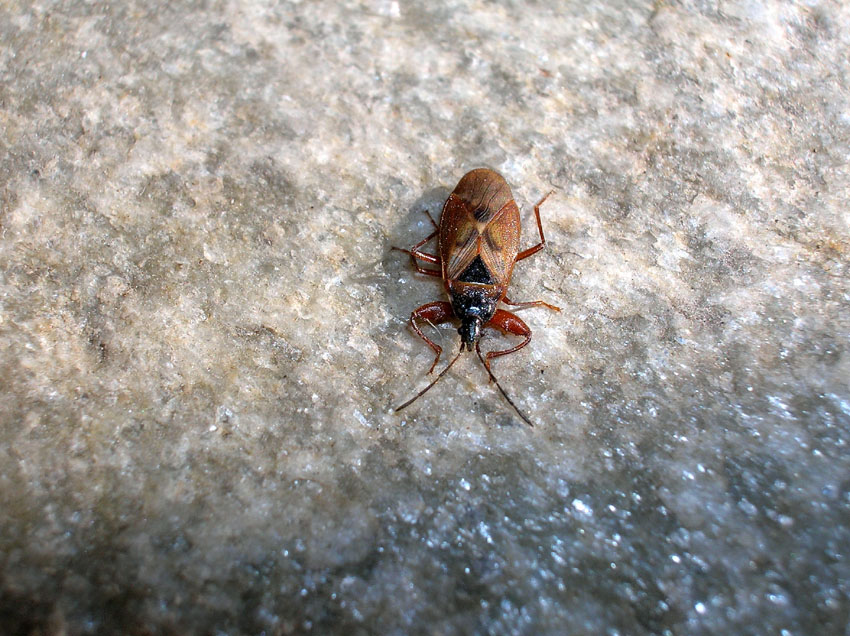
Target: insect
[[478, 245]]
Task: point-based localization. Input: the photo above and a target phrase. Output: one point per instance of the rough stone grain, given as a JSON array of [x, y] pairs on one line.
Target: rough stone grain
[[202, 326]]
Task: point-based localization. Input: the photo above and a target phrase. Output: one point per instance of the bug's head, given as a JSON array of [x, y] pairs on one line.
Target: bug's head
[[470, 332]]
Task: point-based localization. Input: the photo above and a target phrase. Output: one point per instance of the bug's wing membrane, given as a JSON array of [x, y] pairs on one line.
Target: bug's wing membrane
[[485, 193], [501, 241]]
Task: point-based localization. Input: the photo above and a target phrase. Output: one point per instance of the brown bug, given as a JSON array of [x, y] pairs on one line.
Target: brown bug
[[478, 239]]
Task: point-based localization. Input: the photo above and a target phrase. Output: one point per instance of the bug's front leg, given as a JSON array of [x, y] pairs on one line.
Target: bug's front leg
[[507, 323], [435, 313]]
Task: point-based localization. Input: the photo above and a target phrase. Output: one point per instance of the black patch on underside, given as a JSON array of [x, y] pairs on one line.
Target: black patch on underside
[[477, 272]]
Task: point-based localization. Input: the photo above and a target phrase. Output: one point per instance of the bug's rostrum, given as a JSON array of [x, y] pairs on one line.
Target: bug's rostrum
[[470, 332]]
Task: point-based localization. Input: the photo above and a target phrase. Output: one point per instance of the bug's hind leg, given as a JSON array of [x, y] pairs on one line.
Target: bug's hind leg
[[431, 218], [435, 313], [533, 303], [536, 248], [507, 323]]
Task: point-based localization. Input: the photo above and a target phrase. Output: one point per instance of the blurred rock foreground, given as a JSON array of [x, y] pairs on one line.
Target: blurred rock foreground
[[202, 326]]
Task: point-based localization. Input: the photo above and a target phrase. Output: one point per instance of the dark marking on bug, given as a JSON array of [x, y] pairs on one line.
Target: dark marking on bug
[[480, 213], [477, 272]]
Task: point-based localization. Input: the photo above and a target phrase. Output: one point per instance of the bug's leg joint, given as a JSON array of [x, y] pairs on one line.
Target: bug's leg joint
[[434, 313], [508, 324]]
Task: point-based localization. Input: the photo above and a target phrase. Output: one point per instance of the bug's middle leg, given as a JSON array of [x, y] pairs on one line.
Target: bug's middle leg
[[532, 303], [435, 313], [428, 258], [507, 323]]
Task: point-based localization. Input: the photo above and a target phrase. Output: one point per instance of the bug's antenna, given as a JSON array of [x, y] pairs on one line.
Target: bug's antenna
[[493, 377], [437, 379]]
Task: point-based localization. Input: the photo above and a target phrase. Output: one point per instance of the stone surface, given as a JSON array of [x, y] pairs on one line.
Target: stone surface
[[203, 335]]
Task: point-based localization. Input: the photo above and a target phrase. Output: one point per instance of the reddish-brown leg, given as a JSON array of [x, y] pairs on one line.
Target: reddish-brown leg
[[507, 323], [435, 313], [533, 250], [533, 303], [428, 258], [431, 218]]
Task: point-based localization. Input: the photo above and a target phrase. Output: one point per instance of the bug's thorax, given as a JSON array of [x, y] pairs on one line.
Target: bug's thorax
[[474, 305]]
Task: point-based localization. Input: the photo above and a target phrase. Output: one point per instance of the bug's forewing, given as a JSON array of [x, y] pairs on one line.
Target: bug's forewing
[[480, 207], [485, 192], [500, 242], [458, 237]]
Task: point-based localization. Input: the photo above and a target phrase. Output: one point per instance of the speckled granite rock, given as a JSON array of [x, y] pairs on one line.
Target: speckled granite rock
[[203, 335]]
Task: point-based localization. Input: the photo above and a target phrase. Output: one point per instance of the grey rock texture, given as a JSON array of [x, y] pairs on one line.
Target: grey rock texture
[[202, 326]]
